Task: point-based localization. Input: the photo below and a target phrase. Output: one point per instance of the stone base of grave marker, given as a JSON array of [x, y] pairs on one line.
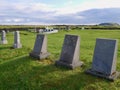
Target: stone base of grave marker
[[39, 56], [99, 74], [70, 66], [17, 46]]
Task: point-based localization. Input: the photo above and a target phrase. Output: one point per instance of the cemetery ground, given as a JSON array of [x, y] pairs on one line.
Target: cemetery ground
[[18, 71]]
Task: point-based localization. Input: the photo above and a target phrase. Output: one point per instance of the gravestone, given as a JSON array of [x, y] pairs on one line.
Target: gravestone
[[3, 37], [40, 47], [104, 59], [7, 31], [17, 43], [70, 52], [67, 27]]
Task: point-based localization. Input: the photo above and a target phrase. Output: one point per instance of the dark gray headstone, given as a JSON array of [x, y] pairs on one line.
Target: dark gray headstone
[[104, 59], [17, 43], [40, 47], [3, 37], [70, 52]]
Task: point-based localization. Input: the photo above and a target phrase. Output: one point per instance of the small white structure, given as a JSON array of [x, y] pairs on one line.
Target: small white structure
[[83, 28], [40, 30], [48, 30]]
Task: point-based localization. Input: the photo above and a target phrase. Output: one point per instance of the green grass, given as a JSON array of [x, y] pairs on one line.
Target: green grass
[[18, 71]]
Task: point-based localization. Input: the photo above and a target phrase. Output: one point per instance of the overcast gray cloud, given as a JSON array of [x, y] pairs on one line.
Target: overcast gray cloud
[[39, 12]]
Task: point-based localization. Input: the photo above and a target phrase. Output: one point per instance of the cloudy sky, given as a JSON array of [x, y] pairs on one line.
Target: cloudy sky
[[59, 11]]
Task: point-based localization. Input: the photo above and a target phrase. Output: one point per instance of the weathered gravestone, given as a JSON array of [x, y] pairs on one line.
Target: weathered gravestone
[[70, 52], [67, 27], [3, 37], [40, 47], [17, 43], [104, 59], [7, 31]]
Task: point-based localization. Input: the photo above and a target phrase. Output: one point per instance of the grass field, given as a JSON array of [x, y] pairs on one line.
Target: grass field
[[18, 71]]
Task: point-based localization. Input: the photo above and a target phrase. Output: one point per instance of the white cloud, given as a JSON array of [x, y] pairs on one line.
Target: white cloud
[[100, 4], [7, 20], [33, 7], [68, 8], [95, 4], [78, 17], [42, 7], [69, 2], [18, 20]]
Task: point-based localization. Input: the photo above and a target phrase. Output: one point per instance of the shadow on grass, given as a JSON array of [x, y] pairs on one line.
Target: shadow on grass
[[8, 52], [5, 47], [74, 80], [26, 73], [13, 63], [23, 73]]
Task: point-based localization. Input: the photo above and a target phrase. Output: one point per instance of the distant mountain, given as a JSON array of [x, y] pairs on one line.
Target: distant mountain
[[109, 24]]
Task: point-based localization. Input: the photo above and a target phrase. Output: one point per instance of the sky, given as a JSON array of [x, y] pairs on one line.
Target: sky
[[59, 11]]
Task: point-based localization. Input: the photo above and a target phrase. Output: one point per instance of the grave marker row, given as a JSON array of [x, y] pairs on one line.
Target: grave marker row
[[17, 43], [104, 59]]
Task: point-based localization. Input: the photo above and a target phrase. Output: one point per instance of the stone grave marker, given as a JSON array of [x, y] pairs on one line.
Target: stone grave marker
[[67, 27], [40, 47], [3, 37], [104, 59], [7, 31], [70, 52], [17, 43]]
